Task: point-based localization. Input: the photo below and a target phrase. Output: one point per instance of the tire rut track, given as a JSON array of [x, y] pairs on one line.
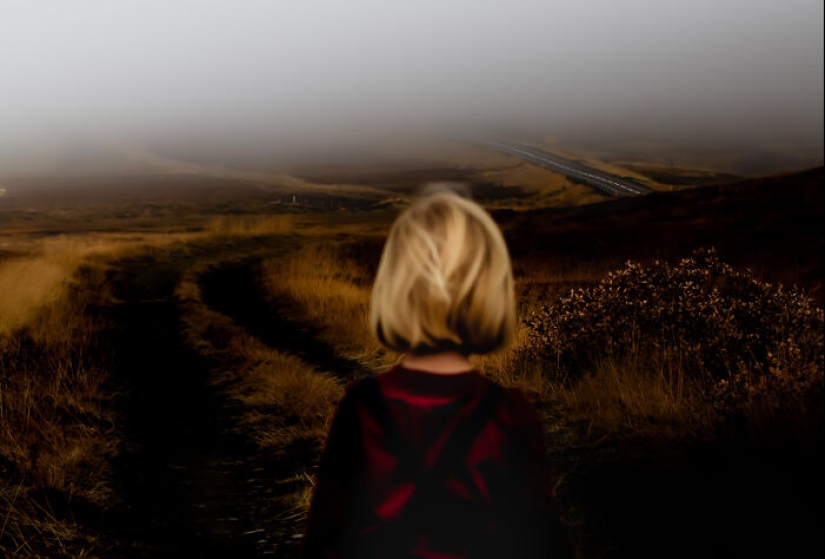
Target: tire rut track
[[191, 486], [233, 290]]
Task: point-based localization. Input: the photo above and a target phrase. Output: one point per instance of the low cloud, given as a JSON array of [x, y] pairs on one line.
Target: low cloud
[[233, 75]]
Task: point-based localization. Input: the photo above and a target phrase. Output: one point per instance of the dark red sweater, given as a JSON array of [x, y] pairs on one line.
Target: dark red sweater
[[495, 499]]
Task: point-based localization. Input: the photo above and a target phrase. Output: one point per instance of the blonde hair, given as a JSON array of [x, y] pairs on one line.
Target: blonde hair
[[444, 282]]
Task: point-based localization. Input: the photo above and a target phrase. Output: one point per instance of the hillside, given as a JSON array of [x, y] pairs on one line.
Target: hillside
[[202, 330], [771, 224]]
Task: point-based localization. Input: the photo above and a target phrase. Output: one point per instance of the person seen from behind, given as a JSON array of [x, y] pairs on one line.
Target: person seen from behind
[[431, 459]]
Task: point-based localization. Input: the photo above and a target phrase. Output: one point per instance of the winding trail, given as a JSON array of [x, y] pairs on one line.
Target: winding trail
[[191, 486], [233, 290]]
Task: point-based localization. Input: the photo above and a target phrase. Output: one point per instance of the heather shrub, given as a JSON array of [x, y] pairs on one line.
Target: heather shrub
[[722, 325]]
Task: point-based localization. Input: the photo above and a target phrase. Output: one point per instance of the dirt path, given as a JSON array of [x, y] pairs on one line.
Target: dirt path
[[190, 486], [233, 290]]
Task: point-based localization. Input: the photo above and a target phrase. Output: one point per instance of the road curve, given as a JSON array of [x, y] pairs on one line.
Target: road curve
[[611, 185]]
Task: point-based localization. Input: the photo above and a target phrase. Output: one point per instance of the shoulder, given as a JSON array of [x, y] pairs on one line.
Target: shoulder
[[362, 393], [354, 395], [357, 390], [517, 412]]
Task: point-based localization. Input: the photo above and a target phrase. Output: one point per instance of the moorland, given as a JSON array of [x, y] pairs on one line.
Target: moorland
[[172, 346]]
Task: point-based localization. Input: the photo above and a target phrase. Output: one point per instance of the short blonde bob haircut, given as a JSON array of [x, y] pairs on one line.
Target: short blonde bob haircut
[[444, 282]]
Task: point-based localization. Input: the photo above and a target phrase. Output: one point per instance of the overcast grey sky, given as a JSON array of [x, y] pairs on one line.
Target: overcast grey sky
[[736, 69]]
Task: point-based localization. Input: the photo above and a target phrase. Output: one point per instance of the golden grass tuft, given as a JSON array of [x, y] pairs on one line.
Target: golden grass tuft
[[252, 225], [329, 292], [644, 394], [508, 368], [39, 280], [27, 286], [282, 401], [57, 423], [300, 396], [270, 386]]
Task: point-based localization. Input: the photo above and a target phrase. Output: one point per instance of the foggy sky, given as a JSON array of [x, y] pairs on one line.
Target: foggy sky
[[732, 70]]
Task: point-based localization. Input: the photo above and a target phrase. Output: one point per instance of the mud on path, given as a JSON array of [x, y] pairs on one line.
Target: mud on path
[[190, 485]]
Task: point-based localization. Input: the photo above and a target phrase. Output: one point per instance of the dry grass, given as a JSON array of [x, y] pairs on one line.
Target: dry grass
[[618, 413], [28, 286], [57, 434], [332, 293], [624, 156], [280, 388], [648, 395], [57, 424], [648, 389], [510, 369], [252, 225], [42, 278], [39, 278], [43, 270], [284, 402], [58, 414], [643, 394], [538, 280]]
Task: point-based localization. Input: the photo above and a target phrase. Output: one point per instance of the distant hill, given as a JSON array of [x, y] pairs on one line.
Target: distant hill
[[770, 224]]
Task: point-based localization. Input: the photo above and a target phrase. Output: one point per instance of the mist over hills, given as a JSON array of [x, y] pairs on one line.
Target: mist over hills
[[271, 153]]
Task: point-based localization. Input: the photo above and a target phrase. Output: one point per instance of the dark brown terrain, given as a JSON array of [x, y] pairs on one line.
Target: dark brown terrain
[[772, 225], [189, 477]]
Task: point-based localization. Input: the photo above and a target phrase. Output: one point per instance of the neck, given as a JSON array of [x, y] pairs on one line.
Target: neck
[[445, 363]]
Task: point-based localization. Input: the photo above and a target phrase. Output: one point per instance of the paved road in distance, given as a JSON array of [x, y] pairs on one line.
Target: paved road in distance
[[611, 185]]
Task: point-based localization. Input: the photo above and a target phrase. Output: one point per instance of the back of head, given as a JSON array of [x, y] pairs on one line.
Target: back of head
[[445, 281]]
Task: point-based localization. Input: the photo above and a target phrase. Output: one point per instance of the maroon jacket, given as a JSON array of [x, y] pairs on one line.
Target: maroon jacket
[[433, 466]]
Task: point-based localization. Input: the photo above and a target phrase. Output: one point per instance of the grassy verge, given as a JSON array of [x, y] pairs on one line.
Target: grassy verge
[[58, 430], [281, 402]]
